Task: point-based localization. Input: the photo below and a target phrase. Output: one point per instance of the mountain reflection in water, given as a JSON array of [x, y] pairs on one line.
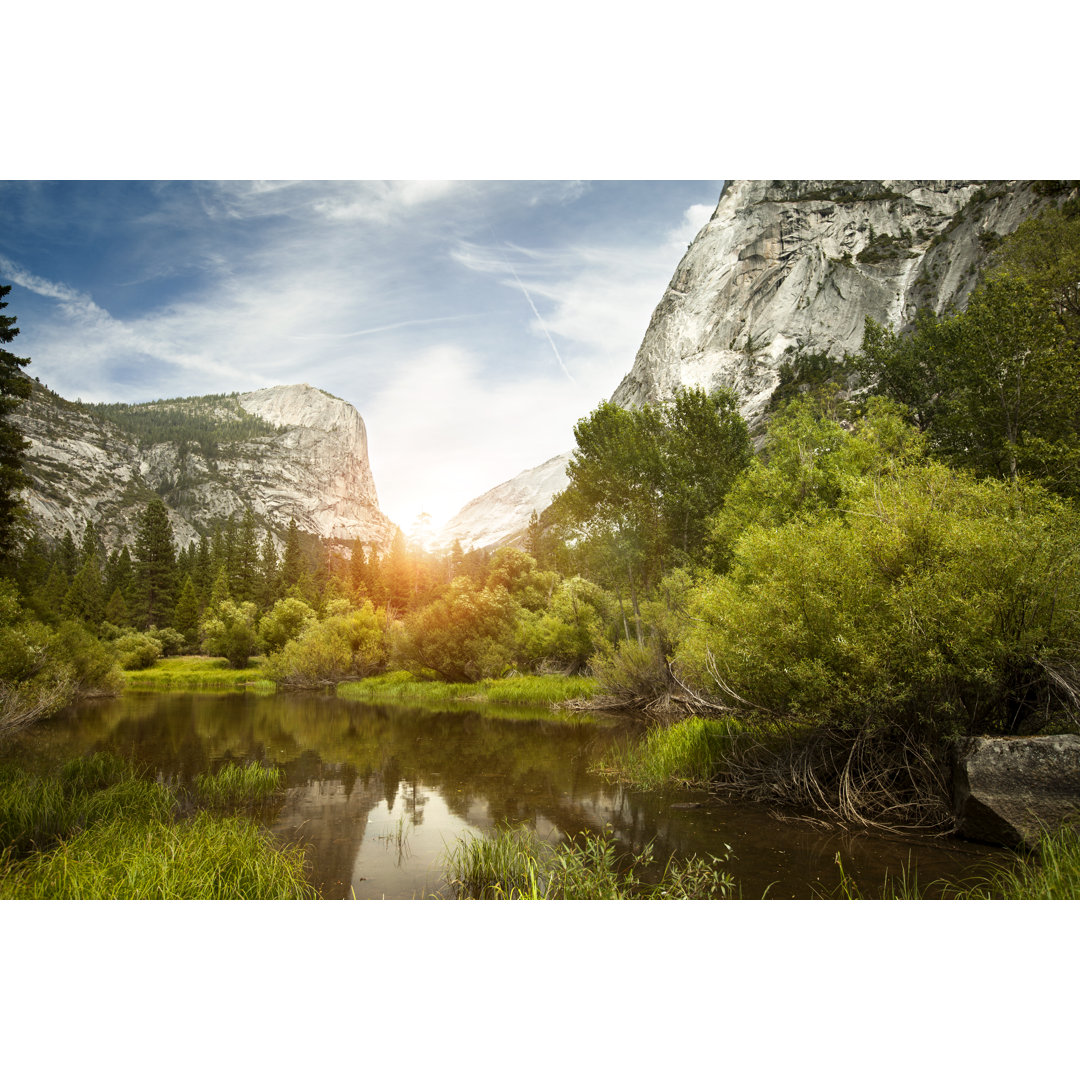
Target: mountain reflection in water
[[378, 794]]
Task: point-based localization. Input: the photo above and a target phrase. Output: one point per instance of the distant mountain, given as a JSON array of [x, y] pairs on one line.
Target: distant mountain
[[285, 452], [790, 265], [504, 511]]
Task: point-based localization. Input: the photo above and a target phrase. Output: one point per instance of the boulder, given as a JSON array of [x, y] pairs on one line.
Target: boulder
[[1008, 790]]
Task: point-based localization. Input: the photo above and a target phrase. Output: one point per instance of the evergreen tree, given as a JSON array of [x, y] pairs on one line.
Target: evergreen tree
[[14, 388], [398, 573], [84, 600], [116, 610], [67, 555], [186, 615], [358, 568], [246, 575], [268, 572], [155, 566], [220, 592], [202, 574], [292, 563]]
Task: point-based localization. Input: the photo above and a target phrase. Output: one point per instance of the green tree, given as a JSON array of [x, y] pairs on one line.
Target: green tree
[[229, 630], [14, 388], [155, 565], [269, 572], [186, 614], [293, 563]]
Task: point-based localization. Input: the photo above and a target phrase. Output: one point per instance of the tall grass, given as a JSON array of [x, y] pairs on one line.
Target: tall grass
[[684, 754], [400, 686], [1051, 872], [514, 864], [199, 673], [96, 830], [204, 858], [233, 786]]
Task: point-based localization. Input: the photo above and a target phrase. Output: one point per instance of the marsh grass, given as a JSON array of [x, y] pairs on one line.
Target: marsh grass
[[1051, 872], [199, 673], [514, 864], [400, 686], [686, 754], [233, 786], [203, 858], [97, 830]]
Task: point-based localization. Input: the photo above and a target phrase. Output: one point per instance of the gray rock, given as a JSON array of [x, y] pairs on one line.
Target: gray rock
[[1008, 790], [312, 466]]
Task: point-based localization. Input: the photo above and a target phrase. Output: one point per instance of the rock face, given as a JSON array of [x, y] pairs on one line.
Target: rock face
[[504, 511], [1008, 790], [309, 462], [800, 264]]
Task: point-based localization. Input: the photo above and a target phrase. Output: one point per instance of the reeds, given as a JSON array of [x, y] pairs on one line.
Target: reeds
[[204, 858], [96, 830], [399, 686], [232, 787], [185, 673], [1051, 872], [686, 754], [514, 864]]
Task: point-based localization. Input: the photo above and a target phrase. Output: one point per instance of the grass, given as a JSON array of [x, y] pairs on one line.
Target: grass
[[198, 673], [514, 864], [400, 686], [1052, 872], [97, 830], [233, 786], [683, 754]]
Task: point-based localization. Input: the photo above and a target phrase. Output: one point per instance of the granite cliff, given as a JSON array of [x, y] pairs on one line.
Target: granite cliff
[[784, 266], [285, 452]]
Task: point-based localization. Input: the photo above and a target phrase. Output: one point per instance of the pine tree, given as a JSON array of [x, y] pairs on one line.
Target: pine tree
[[268, 572], [67, 555], [155, 566], [186, 615], [116, 610], [245, 578], [220, 592], [358, 568], [84, 600], [14, 388], [398, 573], [293, 562], [203, 572]]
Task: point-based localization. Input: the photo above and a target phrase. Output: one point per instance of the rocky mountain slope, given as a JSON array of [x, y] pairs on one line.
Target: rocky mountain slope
[[790, 265], [285, 452], [799, 264], [505, 510]]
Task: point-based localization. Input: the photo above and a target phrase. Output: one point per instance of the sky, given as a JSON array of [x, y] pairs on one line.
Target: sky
[[470, 323]]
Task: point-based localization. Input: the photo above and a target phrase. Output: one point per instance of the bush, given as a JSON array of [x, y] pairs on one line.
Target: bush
[[932, 600], [285, 622], [466, 634], [340, 647], [136, 650], [229, 630]]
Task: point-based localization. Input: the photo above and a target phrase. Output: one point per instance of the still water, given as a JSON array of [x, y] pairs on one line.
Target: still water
[[378, 794]]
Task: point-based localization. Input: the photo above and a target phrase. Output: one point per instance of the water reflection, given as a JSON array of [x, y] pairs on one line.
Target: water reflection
[[377, 794]]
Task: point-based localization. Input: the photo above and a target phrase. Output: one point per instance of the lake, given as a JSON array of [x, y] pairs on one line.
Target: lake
[[378, 794]]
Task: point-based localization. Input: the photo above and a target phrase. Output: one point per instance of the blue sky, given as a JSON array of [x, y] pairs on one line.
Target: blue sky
[[470, 323]]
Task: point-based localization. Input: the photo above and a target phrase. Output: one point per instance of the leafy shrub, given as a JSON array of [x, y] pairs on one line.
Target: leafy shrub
[[465, 635], [229, 630], [930, 599], [339, 647], [285, 622], [136, 650]]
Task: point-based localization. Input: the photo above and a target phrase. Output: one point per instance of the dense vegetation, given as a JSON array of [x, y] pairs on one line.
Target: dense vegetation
[[207, 421], [894, 567]]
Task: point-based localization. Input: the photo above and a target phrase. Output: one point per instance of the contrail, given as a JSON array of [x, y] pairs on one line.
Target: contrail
[[539, 319]]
